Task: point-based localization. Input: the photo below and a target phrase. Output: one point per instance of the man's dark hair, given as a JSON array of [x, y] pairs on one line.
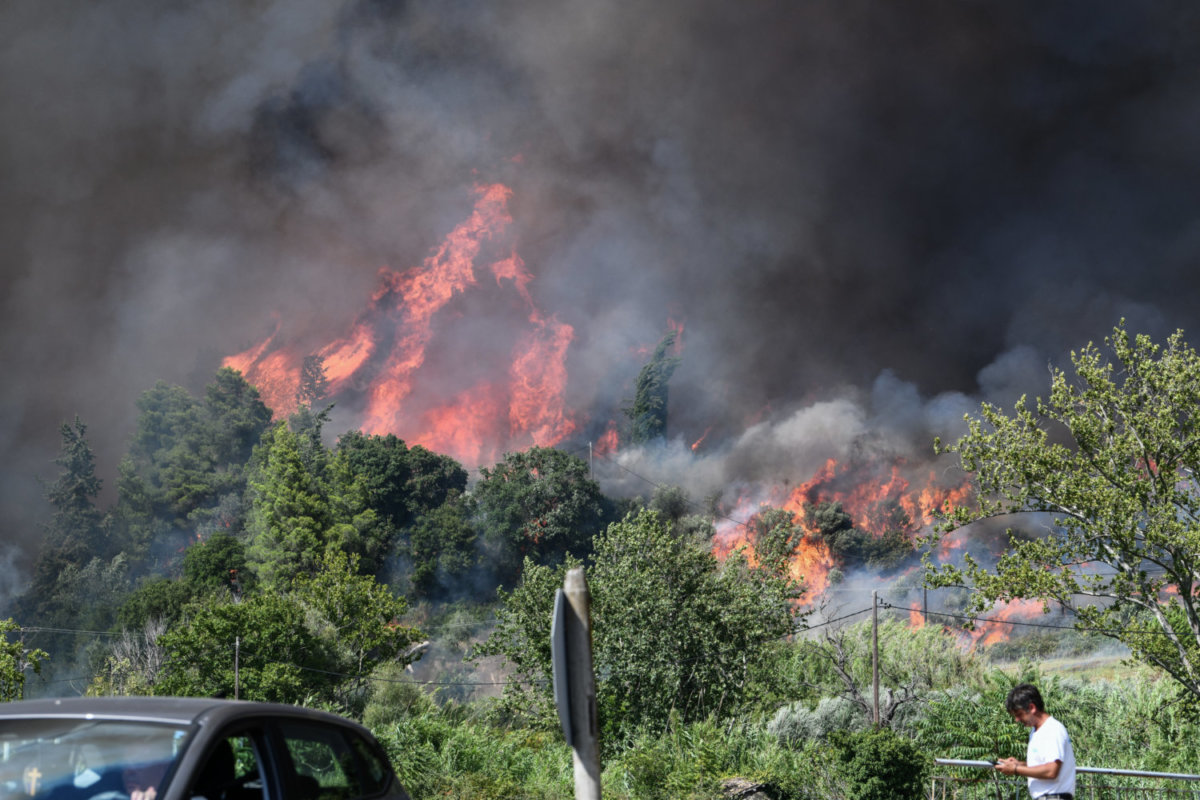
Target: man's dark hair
[[1021, 695]]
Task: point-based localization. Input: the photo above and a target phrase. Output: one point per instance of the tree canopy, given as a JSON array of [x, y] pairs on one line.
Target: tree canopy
[[673, 630], [539, 503], [1112, 458], [15, 658], [318, 641], [648, 414]]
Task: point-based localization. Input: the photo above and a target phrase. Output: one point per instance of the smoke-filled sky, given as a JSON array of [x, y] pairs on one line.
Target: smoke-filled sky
[[865, 215]]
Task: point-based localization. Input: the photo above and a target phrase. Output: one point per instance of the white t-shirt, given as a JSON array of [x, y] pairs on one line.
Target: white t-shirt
[[1051, 743]]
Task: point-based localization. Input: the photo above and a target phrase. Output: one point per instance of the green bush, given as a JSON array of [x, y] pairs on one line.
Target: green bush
[[691, 760], [879, 765]]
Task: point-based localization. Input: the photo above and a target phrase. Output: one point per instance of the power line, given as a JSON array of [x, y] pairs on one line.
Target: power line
[[36, 629]]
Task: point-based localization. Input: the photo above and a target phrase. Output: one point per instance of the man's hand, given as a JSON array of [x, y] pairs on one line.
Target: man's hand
[[1008, 766]]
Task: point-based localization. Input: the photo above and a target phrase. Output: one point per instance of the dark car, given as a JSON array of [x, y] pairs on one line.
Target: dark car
[[177, 748]]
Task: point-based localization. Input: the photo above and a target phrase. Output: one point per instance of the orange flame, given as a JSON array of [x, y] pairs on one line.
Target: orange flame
[[809, 565], [868, 497], [869, 493], [381, 360], [459, 426], [538, 374], [608, 442], [916, 619], [992, 632], [423, 291]]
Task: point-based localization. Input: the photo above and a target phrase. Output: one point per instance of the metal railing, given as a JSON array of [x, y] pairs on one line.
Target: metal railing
[[1091, 783]]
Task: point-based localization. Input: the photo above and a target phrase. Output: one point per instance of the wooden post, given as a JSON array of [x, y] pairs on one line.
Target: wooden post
[[875, 651], [586, 748]]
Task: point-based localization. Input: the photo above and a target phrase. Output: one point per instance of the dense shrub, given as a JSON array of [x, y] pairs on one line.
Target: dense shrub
[[450, 753], [879, 764]]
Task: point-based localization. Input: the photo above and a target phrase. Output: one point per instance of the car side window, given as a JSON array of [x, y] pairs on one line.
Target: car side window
[[331, 763], [232, 771]]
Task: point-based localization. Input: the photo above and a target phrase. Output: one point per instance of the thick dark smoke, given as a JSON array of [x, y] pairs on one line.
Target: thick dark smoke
[[863, 213]]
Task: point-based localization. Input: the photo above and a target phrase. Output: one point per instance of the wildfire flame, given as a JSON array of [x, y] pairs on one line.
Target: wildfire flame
[[609, 441], [381, 359], [989, 633], [916, 617], [378, 368], [870, 496]]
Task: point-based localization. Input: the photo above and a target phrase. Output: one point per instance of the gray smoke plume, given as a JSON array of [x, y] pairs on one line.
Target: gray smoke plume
[[867, 216]]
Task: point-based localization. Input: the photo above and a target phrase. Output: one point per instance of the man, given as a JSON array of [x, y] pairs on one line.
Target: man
[[1049, 759]]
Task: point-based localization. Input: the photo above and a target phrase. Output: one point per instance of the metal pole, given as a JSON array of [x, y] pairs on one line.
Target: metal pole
[[875, 651], [237, 653], [586, 750]]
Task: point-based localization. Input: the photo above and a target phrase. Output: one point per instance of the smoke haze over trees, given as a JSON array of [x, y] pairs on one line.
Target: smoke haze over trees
[[854, 209]]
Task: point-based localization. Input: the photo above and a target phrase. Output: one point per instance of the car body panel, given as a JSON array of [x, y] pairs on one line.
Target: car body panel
[[279, 738]]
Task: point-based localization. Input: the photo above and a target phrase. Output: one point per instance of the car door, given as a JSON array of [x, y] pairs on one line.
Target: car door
[[325, 761], [235, 766]]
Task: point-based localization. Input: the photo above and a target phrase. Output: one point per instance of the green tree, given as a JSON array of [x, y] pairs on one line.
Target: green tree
[[879, 765], [291, 516], [314, 386], [648, 414], [674, 631], [970, 720], [401, 482], [156, 599], [186, 465], [306, 501], [355, 526], [416, 499], [74, 536], [357, 619], [278, 658], [238, 418], [76, 526], [538, 503], [1111, 457], [854, 546], [314, 642], [441, 547], [215, 563], [776, 535], [15, 659]]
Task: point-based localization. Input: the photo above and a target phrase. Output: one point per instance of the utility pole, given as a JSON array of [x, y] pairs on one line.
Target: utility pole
[[875, 650], [590, 473]]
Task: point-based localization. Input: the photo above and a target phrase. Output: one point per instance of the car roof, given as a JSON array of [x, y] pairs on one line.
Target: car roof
[[174, 710]]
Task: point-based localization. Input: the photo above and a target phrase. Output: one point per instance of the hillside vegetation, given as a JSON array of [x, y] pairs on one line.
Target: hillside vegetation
[[336, 566]]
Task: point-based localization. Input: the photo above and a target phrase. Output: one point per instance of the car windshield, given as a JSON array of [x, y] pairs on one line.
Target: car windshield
[[74, 759]]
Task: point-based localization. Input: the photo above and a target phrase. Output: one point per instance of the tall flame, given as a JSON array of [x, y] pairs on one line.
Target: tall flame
[[380, 361], [419, 294]]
